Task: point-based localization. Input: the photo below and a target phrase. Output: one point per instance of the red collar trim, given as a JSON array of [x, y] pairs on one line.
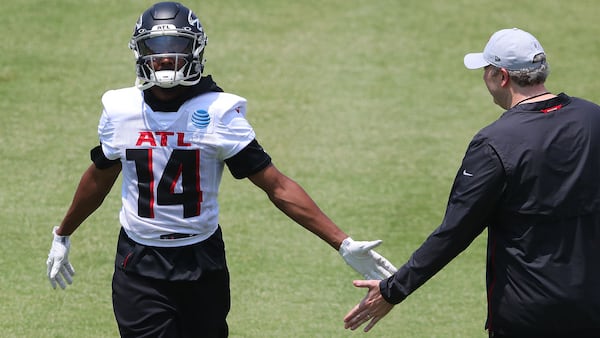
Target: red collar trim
[[551, 109]]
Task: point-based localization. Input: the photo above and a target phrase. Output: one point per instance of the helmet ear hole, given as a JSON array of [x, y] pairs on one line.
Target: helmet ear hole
[[168, 30]]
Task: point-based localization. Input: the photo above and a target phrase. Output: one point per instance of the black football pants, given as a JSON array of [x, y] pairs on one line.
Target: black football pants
[[146, 307]]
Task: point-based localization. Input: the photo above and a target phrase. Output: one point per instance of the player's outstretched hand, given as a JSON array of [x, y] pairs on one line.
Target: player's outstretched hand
[[372, 308], [362, 258], [59, 268]]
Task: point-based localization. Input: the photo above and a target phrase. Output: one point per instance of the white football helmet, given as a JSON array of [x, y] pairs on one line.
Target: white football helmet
[[168, 43]]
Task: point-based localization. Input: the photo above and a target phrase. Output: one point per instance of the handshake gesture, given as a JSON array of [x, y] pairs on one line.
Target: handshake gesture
[[358, 254], [361, 257]]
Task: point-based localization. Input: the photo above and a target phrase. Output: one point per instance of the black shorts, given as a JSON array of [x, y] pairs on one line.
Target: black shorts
[[171, 292]]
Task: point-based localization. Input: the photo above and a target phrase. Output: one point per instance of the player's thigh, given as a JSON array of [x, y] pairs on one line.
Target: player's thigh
[[204, 304], [142, 308]]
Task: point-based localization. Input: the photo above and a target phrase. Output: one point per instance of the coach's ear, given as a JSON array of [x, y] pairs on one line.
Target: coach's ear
[[505, 77]]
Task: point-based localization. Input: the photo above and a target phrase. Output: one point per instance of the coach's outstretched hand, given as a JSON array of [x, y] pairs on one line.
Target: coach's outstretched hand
[[59, 268], [372, 308], [361, 257]]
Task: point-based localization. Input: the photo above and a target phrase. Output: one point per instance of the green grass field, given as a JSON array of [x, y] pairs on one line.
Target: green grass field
[[366, 103]]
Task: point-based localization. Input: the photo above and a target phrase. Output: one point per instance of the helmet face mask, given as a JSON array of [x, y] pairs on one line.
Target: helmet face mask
[[168, 43]]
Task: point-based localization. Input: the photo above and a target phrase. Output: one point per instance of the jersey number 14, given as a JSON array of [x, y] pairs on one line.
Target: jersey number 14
[[184, 166]]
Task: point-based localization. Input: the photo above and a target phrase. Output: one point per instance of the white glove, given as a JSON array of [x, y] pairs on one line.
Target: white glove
[[365, 261], [59, 268]]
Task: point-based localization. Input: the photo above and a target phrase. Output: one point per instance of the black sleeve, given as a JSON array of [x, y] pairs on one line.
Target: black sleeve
[[101, 162], [248, 161], [477, 188]]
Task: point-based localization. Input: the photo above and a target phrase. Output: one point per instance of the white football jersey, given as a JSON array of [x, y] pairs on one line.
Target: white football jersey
[[172, 161]]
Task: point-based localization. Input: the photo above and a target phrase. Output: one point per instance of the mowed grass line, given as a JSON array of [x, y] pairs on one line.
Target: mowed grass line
[[366, 104]]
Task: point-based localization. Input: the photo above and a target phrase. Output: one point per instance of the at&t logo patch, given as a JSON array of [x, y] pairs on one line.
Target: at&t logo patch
[[200, 119]]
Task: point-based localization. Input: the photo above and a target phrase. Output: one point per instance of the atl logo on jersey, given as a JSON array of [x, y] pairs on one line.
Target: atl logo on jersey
[[150, 138]]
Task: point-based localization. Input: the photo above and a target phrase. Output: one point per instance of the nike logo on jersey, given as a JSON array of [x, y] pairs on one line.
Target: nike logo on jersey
[[466, 173]]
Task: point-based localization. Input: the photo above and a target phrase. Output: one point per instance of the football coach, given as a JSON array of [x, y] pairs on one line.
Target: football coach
[[531, 179]]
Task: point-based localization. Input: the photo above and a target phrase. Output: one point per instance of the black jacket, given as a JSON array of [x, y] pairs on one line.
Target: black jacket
[[533, 179]]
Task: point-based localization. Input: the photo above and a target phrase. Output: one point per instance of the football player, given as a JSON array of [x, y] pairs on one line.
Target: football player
[[170, 136]]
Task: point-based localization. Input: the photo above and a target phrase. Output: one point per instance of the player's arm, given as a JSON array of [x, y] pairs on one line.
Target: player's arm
[[93, 187], [254, 163], [290, 198]]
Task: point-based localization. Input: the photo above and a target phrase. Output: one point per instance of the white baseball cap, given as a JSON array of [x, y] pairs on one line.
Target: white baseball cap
[[512, 49]]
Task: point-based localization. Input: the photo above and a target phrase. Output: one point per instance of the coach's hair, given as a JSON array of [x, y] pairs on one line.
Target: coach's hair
[[530, 77]]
